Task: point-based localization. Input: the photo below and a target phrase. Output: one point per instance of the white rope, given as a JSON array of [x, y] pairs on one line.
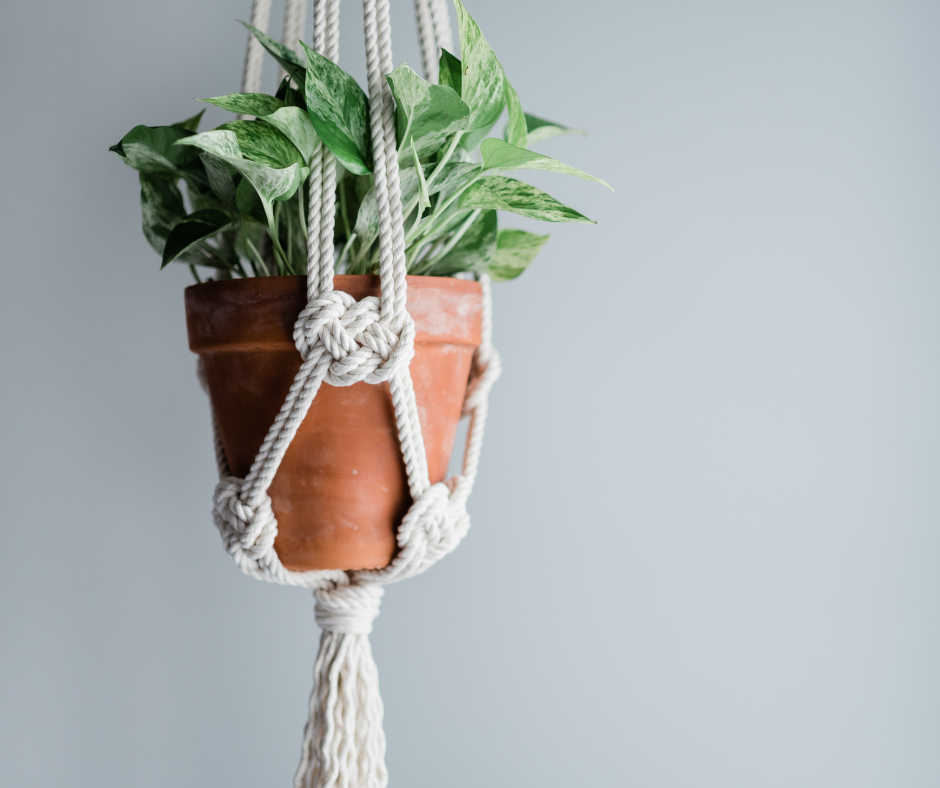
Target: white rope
[[442, 29], [295, 25], [343, 341], [434, 34], [429, 53], [254, 56], [321, 213]]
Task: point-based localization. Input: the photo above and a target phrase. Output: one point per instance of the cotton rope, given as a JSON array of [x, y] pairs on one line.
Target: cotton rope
[[295, 23], [343, 341], [254, 54]]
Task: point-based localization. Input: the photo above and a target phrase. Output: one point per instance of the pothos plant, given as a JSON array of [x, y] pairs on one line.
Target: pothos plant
[[245, 207]]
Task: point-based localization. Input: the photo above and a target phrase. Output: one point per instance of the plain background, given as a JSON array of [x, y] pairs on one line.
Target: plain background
[[705, 534]]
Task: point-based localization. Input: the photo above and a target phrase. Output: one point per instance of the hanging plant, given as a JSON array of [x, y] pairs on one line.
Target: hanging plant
[[336, 395], [244, 179]]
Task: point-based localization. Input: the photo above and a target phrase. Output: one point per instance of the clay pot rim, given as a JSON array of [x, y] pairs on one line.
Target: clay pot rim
[[244, 293], [355, 281]]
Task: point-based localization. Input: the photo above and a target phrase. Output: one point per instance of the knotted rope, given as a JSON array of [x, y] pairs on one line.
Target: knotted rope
[[343, 341]]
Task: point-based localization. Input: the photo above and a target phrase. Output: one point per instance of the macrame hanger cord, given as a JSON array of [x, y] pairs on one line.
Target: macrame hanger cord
[[254, 53], [295, 25]]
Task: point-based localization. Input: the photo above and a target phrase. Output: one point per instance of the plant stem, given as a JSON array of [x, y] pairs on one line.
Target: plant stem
[[432, 220], [459, 233], [264, 267], [446, 157], [412, 204], [342, 254]]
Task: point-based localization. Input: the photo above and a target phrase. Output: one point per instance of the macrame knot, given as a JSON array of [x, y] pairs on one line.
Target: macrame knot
[[432, 528], [348, 609], [247, 531], [353, 338]]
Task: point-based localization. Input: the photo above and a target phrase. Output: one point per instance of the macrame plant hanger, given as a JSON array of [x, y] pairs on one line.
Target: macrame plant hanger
[[342, 342]]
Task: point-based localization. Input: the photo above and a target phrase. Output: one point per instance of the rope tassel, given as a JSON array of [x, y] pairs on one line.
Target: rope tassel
[[344, 744]]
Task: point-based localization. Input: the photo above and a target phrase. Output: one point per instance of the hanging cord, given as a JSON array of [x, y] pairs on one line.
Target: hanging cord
[[433, 34], [295, 25], [321, 213], [254, 54], [442, 30], [427, 39]]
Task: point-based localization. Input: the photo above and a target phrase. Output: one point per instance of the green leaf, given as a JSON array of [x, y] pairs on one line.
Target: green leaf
[[499, 155], [291, 96], [539, 129], [247, 103], [451, 72], [248, 202], [482, 75], [506, 194], [221, 180], [515, 251], [284, 55], [189, 232], [294, 123], [190, 124], [270, 183], [471, 139], [454, 176], [263, 143], [422, 108], [339, 111], [516, 126], [473, 251], [161, 207], [152, 149]]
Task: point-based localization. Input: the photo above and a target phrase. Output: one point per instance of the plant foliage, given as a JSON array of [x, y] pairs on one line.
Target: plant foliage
[[245, 204]]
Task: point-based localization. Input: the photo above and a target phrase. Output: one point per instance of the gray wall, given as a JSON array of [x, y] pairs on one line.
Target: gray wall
[[705, 533]]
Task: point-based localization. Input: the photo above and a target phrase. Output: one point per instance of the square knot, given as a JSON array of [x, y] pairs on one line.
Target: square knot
[[353, 339]]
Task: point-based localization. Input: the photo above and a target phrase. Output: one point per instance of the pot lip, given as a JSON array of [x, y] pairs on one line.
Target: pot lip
[[354, 282], [258, 313]]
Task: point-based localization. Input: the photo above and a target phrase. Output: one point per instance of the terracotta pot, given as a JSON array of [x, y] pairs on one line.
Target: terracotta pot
[[341, 490]]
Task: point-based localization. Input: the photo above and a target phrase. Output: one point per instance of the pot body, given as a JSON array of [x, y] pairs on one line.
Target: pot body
[[341, 489]]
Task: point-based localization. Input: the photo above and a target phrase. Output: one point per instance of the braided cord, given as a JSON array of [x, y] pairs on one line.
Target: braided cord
[[295, 26], [427, 39], [392, 264], [321, 213]]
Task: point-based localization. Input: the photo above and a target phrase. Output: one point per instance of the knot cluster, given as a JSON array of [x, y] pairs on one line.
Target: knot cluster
[[247, 531], [432, 528], [353, 338], [348, 609]]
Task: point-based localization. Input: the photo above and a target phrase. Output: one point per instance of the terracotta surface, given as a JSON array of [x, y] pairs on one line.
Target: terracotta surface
[[341, 489]]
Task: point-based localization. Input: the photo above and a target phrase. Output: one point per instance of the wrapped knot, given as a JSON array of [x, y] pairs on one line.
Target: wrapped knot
[[355, 336], [247, 531], [432, 528], [348, 609]]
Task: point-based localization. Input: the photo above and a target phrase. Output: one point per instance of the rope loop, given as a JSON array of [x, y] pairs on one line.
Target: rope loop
[[354, 338], [484, 372]]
